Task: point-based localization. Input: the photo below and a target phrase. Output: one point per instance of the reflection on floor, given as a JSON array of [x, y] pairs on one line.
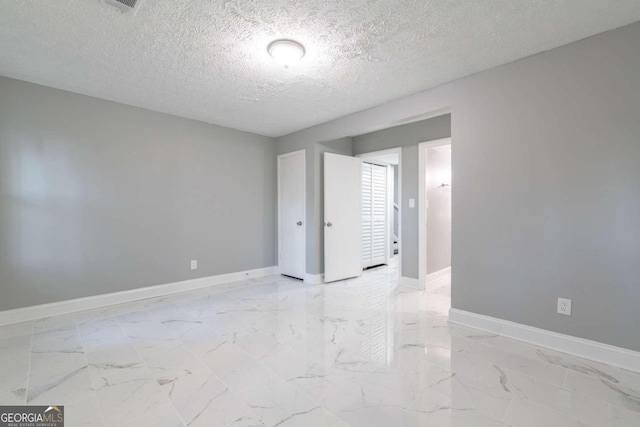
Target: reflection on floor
[[274, 351]]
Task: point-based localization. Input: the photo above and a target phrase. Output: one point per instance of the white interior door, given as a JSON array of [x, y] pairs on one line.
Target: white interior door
[[291, 214], [342, 217], [375, 214]]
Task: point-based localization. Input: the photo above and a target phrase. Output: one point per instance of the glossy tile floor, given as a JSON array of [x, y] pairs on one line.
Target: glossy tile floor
[[276, 352]]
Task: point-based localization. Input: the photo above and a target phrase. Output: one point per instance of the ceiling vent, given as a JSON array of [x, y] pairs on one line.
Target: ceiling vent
[[130, 7]]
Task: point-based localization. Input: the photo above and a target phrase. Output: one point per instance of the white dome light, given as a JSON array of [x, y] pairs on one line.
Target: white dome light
[[286, 52]]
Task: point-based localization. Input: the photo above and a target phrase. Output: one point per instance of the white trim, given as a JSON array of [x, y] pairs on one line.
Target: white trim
[[87, 303], [304, 198], [437, 275], [581, 347], [380, 153], [415, 118], [409, 282], [422, 203], [313, 279], [398, 151], [390, 213]]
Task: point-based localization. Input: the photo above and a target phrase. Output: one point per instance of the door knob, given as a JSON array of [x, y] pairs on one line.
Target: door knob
[[328, 224], [299, 223]]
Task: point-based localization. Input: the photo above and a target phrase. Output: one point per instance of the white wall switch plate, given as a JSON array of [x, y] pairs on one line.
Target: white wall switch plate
[[194, 264], [412, 203], [564, 306]]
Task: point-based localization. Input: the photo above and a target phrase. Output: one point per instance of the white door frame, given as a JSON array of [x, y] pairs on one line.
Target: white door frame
[[304, 211], [398, 151], [390, 213], [422, 204]]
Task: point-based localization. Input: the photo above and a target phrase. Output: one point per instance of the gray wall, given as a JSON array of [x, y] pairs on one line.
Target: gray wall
[[439, 210], [546, 202], [97, 197], [408, 137]]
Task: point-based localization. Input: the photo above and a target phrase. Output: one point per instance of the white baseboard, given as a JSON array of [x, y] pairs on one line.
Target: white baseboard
[[313, 279], [587, 349], [87, 303], [437, 275], [410, 282]]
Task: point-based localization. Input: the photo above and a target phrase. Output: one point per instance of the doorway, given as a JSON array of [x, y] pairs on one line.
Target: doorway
[[435, 191], [376, 209], [381, 222], [343, 219], [292, 214]]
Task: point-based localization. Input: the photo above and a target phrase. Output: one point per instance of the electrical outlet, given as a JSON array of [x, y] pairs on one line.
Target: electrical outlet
[[194, 264], [564, 306]]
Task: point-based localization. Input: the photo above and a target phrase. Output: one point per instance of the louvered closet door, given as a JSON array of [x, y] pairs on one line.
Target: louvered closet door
[[367, 211], [374, 214]]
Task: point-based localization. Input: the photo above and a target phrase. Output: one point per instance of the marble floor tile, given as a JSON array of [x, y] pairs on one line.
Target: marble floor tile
[[15, 352], [56, 322], [105, 375], [235, 367], [165, 416], [445, 416], [583, 407], [24, 329], [283, 328], [517, 363], [224, 323], [104, 340], [84, 412], [611, 391], [13, 380], [63, 340], [467, 392], [275, 351], [129, 398], [279, 403], [58, 377], [619, 416], [253, 342], [107, 312], [200, 339], [202, 399], [332, 388], [368, 416], [289, 363], [524, 413]]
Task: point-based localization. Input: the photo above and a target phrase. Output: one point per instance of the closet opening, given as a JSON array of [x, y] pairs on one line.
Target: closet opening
[[380, 208]]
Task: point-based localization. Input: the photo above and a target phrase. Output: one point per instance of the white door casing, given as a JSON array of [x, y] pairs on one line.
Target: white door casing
[[342, 217], [291, 214]]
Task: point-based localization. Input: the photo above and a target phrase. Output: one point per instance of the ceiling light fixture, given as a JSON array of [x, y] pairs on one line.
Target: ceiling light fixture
[[286, 52]]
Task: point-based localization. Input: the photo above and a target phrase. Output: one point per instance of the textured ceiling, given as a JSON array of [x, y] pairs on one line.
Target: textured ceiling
[[207, 60]]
